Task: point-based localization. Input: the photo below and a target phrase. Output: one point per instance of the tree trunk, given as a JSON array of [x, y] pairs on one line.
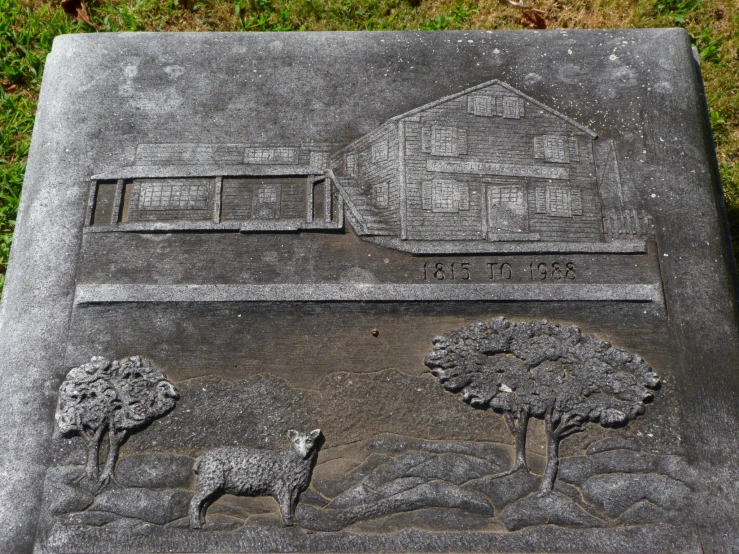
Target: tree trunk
[[550, 474], [93, 452], [115, 443], [520, 435]]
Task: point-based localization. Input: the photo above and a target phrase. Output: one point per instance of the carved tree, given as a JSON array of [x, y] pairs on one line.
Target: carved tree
[[476, 360], [121, 397], [85, 407], [547, 371]]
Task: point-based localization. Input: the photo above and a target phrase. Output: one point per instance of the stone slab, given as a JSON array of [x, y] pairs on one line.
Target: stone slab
[[370, 292]]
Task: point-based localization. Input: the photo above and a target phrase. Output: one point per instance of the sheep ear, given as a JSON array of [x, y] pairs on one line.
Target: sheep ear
[[292, 434], [315, 434]]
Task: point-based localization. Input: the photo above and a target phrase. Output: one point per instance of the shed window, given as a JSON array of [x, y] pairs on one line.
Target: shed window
[[280, 155], [173, 196]]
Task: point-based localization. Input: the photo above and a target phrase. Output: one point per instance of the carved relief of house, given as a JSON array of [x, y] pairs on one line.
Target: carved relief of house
[[486, 169], [486, 164]]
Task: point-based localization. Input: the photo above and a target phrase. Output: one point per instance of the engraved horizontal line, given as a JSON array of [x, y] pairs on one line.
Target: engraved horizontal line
[[360, 292], [453, 247]]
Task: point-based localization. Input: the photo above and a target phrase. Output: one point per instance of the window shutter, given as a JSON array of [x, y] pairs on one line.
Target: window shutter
[[541, 200], [576, 201], [499, 106], [488, 106], [521, 103], [463, 191], [574, 153], [426, 139], [539, 148], [427, 195], [471, 104], [461, 142]]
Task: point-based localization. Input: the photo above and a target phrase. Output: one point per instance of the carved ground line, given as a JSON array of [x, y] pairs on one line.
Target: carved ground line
[[496, 292]]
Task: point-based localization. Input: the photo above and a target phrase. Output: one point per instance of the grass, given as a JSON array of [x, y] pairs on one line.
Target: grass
[[27, 28]]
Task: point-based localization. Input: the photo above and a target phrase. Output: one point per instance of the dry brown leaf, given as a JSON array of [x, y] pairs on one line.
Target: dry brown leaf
[[533, 19], [78, 9]]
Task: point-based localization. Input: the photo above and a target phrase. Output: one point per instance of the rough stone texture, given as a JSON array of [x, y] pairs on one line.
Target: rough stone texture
[[265, 321], [617, 492], [158, 506], [551, 509], [155, 471], [580, 468]]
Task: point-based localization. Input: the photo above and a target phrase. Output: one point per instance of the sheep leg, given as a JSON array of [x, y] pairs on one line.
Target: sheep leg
[[198, 506], [284, 500]]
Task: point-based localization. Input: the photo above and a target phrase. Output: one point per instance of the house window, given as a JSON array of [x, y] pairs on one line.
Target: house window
[[506, 195], [379, 150], [380, 195], [441, 140], [558, 201], [444, 196], [481, 105], [509, 107], [512, 107], [171, 196], [557, 149], [351, 165], [271, 156]]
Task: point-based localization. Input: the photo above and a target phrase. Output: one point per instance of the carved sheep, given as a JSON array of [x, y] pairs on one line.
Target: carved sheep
[[282, 474]]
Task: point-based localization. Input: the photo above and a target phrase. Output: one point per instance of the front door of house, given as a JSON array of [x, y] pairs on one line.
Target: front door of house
[[267, 201], [506, 205]]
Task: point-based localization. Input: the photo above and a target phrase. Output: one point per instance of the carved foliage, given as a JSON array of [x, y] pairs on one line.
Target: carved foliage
[[119, 397], [544, 370]]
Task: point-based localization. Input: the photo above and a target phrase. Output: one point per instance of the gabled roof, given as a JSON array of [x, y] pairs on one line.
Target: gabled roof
[[485, 85]]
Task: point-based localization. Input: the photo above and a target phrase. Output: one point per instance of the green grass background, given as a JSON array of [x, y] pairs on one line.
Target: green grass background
[[27, 28]]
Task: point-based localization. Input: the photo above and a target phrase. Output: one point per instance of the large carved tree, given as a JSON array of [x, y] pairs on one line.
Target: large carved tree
[[547, 371], [120, 397]]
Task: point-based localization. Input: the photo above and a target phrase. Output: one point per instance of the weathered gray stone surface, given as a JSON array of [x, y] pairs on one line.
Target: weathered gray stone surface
[[274, 232]]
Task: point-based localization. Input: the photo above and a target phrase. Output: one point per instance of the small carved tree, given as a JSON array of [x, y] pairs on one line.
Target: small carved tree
[[121, 397], [547, 371]]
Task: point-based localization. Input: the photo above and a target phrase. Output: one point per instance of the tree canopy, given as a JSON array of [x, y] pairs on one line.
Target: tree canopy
[[119, 396], [543, 370]]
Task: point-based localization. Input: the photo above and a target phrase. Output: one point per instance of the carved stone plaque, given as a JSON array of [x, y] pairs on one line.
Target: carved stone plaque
[[372, 292]]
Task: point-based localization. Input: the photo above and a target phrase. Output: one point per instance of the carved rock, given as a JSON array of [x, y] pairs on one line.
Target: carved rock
[[506, 489], [609, 443], [617, 492], [644, 512], [89, 517], [455, 468], [62, 493], [158, 506], [553, 508], [578, 469], [433, 519], [332, 488], [155, 471]]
